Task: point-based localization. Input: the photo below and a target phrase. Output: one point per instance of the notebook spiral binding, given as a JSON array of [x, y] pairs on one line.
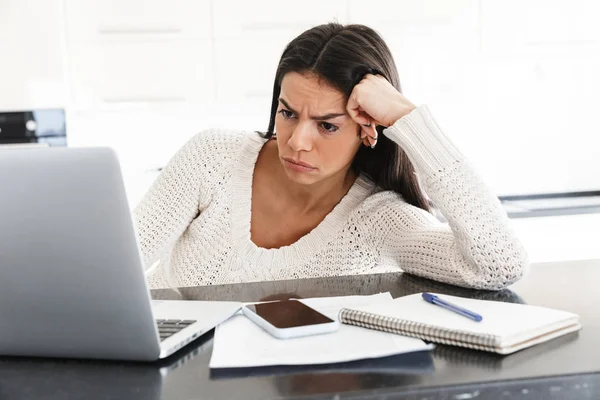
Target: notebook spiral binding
[[418, 330]]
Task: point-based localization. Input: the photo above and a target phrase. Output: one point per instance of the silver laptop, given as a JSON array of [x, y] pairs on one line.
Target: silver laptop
[[72, 282]]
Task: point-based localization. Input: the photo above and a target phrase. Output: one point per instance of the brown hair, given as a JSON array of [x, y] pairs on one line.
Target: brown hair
[[343, 55]]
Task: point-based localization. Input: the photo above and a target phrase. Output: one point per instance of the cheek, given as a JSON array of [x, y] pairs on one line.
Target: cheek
[[338, 153], [282, 127]]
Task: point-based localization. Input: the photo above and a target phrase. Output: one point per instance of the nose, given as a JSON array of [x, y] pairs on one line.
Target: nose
[[302, 138]]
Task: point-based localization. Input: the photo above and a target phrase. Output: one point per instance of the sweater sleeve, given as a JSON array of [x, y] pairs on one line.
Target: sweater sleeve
[[477, 247], [171, 203]]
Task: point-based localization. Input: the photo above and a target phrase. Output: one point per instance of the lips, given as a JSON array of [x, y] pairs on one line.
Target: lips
[[298, 162]]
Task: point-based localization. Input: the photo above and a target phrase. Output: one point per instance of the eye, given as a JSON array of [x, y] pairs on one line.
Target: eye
[[286, 113], [329, 128]]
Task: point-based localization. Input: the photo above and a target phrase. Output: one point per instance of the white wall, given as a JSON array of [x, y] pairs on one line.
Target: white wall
[[32, 45], [514, 83]]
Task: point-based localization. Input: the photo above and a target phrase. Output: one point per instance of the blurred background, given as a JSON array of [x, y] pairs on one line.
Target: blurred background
[[514, 83]]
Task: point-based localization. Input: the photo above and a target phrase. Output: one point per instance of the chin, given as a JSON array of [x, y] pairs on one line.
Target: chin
[[302, 178]]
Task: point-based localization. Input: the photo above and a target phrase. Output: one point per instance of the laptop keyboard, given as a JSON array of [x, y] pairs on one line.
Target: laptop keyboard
[[169, 327]]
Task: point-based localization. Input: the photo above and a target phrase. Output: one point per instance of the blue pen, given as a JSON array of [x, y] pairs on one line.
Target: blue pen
[[433, 299]]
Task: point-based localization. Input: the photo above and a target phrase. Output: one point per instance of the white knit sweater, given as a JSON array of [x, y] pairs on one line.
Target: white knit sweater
[[195, 220]]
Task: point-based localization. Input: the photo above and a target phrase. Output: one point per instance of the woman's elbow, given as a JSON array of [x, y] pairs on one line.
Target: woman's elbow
[[504, 272]]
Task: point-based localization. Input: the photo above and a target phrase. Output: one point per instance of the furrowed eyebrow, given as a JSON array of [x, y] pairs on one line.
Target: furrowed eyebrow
[[314, 117]]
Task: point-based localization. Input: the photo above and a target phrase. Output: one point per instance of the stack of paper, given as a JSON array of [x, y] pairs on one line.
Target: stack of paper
[[238, 342]]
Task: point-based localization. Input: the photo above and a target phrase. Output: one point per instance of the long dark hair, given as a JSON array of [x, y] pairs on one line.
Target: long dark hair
[[342, 55]]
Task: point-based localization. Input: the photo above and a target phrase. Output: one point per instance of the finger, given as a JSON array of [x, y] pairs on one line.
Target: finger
[[354, 110], [375, 122], [374, 133], [369, 134], [362, 118], [365, 129], [364, 136], [372, 140], [369, 141], [352, 106], [366, 142]]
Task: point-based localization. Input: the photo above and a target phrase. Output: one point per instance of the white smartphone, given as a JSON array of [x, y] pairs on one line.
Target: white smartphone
[[289, 318]]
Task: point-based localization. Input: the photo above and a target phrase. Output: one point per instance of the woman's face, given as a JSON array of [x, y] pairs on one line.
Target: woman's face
[[316, 137]]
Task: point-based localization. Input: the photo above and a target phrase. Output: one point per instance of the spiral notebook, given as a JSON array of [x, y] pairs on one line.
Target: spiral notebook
[[505, 328]]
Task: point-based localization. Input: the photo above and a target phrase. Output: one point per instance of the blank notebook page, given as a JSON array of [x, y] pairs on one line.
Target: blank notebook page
[[512, 323]]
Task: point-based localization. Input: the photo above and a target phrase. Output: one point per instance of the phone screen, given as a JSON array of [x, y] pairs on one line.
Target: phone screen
[[288, 314]]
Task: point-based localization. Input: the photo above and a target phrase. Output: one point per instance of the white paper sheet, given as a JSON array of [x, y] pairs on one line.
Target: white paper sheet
[[238, 342]]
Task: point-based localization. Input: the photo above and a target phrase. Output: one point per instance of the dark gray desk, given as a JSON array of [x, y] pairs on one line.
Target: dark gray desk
[[566, 368]]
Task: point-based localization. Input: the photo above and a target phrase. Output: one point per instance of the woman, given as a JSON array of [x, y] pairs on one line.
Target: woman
[[332, 188]]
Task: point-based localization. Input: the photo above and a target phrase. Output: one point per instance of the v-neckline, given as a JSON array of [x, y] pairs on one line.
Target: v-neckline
[[307, 245]]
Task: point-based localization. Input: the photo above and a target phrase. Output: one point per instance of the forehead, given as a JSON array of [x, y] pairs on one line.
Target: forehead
[[301, 88]]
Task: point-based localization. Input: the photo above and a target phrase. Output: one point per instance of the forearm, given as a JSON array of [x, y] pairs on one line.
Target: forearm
[[480, 227]]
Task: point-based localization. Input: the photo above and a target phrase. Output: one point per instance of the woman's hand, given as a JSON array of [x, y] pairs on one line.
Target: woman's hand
[[374, 101]]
